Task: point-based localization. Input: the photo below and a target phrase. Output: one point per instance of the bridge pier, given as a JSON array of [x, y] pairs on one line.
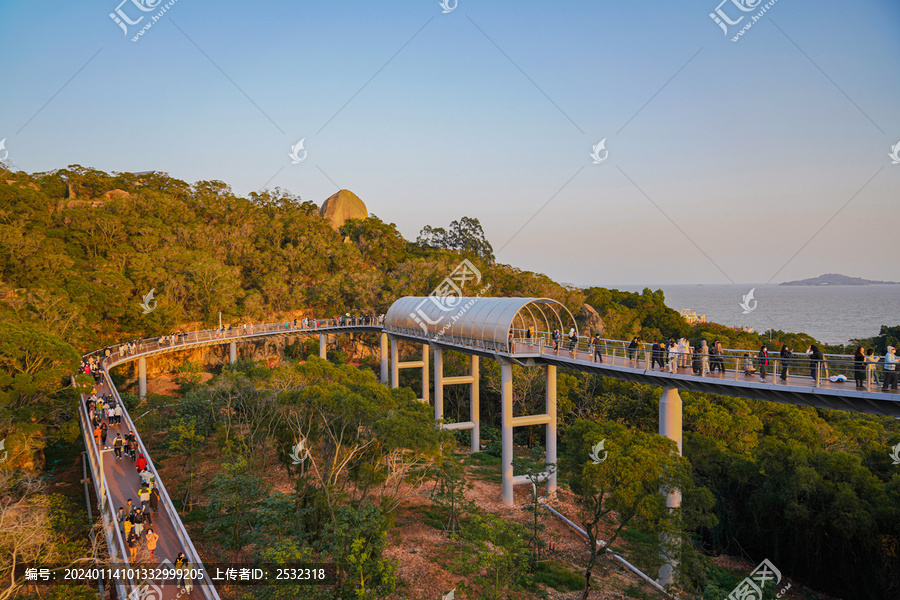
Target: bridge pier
[[508, 422], [142, 377], [472, 379], [550, 407], [670, 426], [396, 365], [323, 346], [438, 383], [506, 431], [232, 352], [383, 355]]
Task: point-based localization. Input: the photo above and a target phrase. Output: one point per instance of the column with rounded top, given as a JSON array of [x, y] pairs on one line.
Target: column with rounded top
[[550, 405], [323, 345], [506, 437], [473, 404], [383, 354], [395, 363], [232, 352], [670, 427], [438, 382], [142, 377]]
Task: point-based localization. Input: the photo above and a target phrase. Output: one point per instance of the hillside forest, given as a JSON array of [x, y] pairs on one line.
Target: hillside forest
[[813, 491]]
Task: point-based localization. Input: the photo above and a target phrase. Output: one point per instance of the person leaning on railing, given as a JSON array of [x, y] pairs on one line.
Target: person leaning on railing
[[815, 359]]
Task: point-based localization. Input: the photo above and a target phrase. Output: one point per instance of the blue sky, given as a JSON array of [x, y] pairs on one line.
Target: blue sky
[[728, 161]]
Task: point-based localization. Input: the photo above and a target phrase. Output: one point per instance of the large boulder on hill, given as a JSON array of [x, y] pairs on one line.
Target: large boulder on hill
[[592, 319], [116, 193], [342, 206]]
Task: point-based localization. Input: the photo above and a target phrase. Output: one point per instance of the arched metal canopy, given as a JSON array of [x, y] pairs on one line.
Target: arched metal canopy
[[476, 321]]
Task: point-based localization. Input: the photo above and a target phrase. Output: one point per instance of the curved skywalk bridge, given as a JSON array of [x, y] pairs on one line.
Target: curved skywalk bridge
[[509, 330]]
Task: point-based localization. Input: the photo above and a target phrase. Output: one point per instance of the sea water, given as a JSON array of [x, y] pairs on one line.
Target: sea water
[[831, 314]]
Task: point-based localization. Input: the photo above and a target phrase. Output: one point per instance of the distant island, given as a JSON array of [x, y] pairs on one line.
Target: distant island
[[835, 279]]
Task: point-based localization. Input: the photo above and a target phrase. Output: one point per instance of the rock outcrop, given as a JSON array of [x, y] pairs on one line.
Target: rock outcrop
[[592, 319], [342, 206]]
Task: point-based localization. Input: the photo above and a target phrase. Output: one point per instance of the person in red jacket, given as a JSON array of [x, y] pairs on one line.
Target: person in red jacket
[[141, 463]]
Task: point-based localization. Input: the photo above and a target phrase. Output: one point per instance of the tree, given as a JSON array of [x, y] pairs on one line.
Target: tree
[[451, 487], [626, 487], [184, 439], [465, 236], [233, 499]]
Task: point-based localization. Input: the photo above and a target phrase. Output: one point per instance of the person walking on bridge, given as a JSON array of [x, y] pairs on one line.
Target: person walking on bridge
[[598, 353], [117, 446], [632, 348], [104, 429], [154, 500], [133, 546], [556, 337], [152, 539], [890, 369], [141, 463]]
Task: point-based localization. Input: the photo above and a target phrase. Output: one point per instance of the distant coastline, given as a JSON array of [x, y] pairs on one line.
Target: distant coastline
[[836, 279]]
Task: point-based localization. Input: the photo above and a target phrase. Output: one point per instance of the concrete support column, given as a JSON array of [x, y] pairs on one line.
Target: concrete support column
[[670, 415], [383, 354], [426, 380], [506, 428], [142, 377], [438, 382], [670, 426], [473, 404], [395, 363], [232, 352], [550, 406], [323, 345]]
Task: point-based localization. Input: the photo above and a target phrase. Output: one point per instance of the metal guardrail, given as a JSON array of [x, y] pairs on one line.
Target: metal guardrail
[[205, 587], [114, 541]]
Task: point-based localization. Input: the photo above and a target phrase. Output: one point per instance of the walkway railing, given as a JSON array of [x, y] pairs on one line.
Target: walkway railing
[[118, 554], [205, 586], [733, 361]]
